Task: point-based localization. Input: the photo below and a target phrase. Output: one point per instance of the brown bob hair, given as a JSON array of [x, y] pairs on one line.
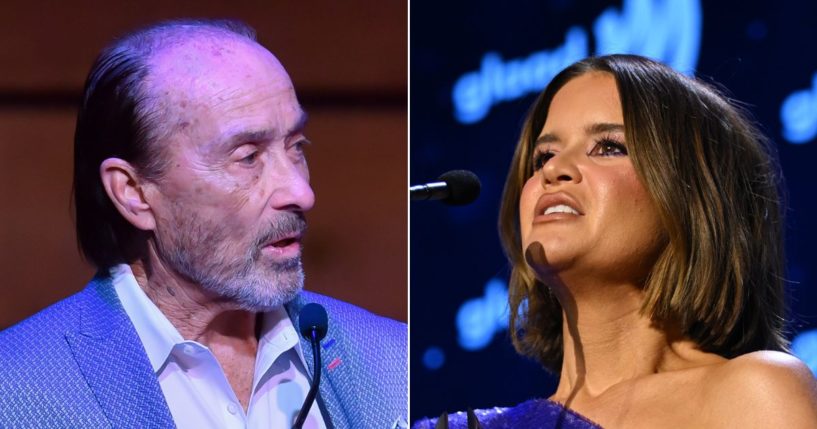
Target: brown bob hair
[[714, 180]]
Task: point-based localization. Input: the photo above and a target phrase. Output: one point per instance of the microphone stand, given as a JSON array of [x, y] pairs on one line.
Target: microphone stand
[[313, 390]]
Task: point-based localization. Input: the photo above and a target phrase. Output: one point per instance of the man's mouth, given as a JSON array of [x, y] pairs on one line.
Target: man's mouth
[[284, 237], [287, 247], [285, 242]]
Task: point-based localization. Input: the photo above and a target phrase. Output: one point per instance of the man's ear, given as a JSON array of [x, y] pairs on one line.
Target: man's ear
[[125, 191]]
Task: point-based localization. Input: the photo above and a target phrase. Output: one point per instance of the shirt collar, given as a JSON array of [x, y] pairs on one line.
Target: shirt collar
[[277, 336], [159, 336]]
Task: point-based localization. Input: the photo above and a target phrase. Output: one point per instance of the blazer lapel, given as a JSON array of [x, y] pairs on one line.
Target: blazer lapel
[[112, 360], [330, 393]]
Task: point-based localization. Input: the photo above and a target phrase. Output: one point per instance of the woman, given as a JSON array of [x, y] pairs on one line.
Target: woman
[[643, 222]]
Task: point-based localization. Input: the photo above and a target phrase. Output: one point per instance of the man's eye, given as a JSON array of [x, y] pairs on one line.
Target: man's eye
[[299, 145], [297, 149], [249, 159]]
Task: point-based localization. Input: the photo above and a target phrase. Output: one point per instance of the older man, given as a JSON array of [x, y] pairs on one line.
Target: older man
[[190, 192]]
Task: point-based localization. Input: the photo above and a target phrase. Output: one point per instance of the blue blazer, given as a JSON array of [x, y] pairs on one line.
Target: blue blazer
[[80, 363]]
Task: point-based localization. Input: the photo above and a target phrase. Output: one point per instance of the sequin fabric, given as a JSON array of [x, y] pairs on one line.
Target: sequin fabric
[[536, 413], [80, 364]]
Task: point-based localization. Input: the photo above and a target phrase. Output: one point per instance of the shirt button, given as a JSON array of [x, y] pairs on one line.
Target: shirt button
[[232, 408], [189, 349]]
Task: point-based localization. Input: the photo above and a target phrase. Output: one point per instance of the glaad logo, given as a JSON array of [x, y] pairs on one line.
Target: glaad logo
[[667, 30], [480, 318], [799, 115], [475, 92]]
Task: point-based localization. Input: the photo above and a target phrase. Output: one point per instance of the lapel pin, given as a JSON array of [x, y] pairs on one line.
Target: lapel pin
[[334, 364]]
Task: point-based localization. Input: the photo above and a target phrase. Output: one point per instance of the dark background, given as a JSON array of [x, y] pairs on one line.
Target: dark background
[[760, 51]]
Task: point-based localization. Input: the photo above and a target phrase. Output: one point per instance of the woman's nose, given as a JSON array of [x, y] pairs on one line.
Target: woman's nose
[[561, 168]]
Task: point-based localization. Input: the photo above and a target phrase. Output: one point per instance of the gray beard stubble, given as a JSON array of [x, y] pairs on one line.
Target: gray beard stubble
[[198, 250]]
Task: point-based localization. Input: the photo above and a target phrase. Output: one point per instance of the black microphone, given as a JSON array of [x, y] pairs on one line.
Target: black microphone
[[313, 324], [456, 187]]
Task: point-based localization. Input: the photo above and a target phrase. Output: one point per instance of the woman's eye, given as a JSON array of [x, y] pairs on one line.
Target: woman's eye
[[540, 158], [608, 147]]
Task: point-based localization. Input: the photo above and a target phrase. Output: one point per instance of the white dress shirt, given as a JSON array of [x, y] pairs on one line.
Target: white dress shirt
[[193, 382]]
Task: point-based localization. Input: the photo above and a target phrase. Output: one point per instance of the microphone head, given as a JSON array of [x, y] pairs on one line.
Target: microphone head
[[313, 316], [463, 187]]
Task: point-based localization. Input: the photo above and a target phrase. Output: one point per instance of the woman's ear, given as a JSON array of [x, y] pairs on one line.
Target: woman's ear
[[125, 191]]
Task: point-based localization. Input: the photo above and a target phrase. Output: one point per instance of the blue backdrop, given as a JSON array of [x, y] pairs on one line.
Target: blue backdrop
[[475, 67]]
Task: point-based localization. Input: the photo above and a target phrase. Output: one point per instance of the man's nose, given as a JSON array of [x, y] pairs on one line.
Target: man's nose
[[291, 189]]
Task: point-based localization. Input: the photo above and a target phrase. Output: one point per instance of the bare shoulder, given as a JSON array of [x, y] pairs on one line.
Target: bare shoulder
[[763, 389], [770, 371]]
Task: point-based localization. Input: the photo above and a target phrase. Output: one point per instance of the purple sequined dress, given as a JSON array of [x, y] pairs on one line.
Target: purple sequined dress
[[536, 413]]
